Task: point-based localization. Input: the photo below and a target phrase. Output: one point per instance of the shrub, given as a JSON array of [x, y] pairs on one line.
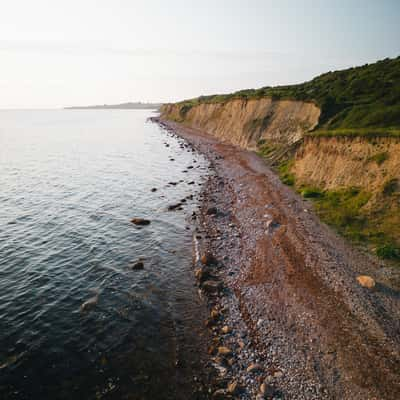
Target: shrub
[[379, 158], [311, 193], [388, 251], [390, 187]]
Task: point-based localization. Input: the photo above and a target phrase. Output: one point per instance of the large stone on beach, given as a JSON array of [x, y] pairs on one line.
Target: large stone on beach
[[224, 351], [253, 368], [208, 259], [366, 281], [233, 387], [202, 274], [212, 211], [211, 287], [140, 221]]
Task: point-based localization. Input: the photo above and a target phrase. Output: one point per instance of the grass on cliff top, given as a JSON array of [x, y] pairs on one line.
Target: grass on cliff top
[[360, 97]]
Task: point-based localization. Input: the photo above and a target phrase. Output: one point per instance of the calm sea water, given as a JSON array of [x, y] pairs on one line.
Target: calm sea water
[[70, 182]]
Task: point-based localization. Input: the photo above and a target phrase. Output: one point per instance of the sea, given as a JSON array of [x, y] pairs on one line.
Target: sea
[[78, 320]]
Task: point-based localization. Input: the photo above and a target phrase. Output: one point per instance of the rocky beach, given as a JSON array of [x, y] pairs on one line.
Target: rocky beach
[[288, 315]]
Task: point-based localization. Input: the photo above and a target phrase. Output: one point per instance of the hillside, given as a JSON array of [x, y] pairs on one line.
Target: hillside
[[357, 99], [335, 139]]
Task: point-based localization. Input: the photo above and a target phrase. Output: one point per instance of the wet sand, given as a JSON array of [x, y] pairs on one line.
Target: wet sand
[[288, 318]]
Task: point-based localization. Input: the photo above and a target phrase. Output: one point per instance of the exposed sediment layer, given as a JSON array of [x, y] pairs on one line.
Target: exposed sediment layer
[[326, 162], [313, 330], [246, 122], [332, 162]]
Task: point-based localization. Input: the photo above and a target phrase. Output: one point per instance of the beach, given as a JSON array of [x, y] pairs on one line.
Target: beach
[[287, 315]]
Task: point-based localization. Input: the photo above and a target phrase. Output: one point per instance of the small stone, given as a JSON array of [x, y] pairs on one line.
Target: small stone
[[208, 259], [211, 286], [215, 314], [201, 274], [254, 368], [263, 388], [154, 189], [225, 329], [224, 351], [366, 281], [219, 394], [278, 374], [210, 322], [212, 211], [233, 387], [140, 221]]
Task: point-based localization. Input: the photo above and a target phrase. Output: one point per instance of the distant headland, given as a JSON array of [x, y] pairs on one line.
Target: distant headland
[[122, 106]]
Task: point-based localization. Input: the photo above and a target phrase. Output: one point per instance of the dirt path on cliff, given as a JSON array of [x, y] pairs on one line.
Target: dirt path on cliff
[[293, 281]]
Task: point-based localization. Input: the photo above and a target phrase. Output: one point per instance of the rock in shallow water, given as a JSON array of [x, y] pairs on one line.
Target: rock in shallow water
[[138, 265], [211, 286], [140, 221]]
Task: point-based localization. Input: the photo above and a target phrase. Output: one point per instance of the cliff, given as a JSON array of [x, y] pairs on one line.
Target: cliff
[[247, 122], [353, 179], [335, 162], [336, 139]]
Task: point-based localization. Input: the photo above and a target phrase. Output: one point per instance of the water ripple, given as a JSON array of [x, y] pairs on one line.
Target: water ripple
[[69, 190]]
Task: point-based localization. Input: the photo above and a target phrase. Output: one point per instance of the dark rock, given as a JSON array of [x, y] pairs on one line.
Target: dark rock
[[140, 221], [173, 207], [212, 211], [154, 189], [202, 274], [191, 183], [138, 265], [208, 259], [254, 368], [211, 286]]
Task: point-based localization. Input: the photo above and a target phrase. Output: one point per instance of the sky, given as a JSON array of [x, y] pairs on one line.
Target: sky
[[56, 53]]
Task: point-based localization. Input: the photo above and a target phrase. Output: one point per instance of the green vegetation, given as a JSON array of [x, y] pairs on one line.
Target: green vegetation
[[311, 193], [390, 187], [357, 101], [379, 158], [284, 173], [265, 149], [344, 209], [389, 251]]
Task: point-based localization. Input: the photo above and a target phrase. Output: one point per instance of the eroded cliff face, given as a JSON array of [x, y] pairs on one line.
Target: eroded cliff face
[[335, 162], [325, 162], [246, 122]]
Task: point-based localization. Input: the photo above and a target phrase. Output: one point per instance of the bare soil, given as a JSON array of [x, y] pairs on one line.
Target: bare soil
[[290, 295]]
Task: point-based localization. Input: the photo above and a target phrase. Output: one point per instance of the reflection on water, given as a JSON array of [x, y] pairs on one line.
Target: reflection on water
[[76, 321]]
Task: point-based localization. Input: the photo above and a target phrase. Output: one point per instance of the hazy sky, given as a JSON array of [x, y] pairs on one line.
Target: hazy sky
[[77, 52]]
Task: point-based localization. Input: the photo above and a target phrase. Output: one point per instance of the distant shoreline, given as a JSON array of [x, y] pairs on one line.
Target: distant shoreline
[[122, 106]]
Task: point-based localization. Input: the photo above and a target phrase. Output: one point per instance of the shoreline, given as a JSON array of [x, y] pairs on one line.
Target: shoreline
[[287, 317]]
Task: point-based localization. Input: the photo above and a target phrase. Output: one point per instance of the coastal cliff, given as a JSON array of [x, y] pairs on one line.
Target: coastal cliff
[[247, 122], [335, 139]]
